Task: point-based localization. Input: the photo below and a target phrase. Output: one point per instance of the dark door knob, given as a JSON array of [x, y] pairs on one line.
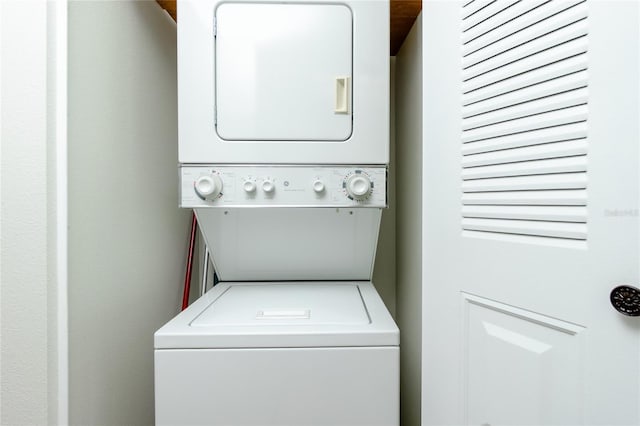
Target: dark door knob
[[626, 300]]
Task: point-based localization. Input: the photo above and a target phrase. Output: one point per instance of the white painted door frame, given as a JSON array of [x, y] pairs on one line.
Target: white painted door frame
[[60, 26], [34, 121]]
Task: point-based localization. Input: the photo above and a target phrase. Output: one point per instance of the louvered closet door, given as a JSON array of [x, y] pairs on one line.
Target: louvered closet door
[[524, 118], [531, 212]]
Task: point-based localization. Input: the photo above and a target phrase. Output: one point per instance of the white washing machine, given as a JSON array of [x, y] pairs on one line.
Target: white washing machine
[[280, 353]]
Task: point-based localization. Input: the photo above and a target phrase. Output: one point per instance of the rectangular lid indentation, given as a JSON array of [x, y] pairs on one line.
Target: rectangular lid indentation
[[285, 304]]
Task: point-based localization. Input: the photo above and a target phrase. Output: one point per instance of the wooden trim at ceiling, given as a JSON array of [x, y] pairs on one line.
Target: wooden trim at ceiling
[[403, 15], [170, 7]]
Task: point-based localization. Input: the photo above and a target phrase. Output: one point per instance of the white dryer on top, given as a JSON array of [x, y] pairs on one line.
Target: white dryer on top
[[283, 83]]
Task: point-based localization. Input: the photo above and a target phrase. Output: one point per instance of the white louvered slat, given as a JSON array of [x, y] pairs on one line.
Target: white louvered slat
[[512, 21], [576, 231], [524, 114], [478, 77], [485, 13], [538, 91], [531, 64], [574, 16], [535, 137], [528, 108], [527, 239], [568, 197], [539, 121], [538, 167], [527, 183], [565, 67], [477, 31], [472, 7], [537, 152], [576, 214], [484, 64]]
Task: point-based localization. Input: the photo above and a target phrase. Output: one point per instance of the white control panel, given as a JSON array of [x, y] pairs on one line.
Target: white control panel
[[283, 186]]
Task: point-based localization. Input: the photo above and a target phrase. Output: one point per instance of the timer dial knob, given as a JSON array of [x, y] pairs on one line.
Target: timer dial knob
[[268, 186], [358, 186], [208, 187]]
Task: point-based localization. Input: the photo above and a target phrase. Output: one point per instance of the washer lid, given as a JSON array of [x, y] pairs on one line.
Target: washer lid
[[280, 315], [269, 304]]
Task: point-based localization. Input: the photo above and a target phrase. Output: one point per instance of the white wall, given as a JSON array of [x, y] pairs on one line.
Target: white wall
[[408, 100], [28, 297], [127, 237], [384, 271]]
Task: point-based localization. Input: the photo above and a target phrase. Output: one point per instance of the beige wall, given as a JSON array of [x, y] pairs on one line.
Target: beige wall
[[127, 237], [408, 98]]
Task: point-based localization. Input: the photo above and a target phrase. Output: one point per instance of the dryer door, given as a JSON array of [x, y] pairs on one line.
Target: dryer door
[[283, 72], [283, 82]]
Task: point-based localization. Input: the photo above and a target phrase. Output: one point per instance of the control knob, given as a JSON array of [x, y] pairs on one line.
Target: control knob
[[268, 186], [318, 186], [358, 186], [249, 186], [208, 187]]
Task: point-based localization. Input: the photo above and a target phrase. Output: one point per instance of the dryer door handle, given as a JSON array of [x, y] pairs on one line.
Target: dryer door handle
[[342, 95]]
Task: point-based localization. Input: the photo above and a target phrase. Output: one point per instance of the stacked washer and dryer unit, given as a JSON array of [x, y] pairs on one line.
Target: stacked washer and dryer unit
[[283, 149]]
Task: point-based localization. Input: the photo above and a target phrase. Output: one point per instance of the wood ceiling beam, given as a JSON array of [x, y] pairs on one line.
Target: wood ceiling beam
[[403, 15]]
